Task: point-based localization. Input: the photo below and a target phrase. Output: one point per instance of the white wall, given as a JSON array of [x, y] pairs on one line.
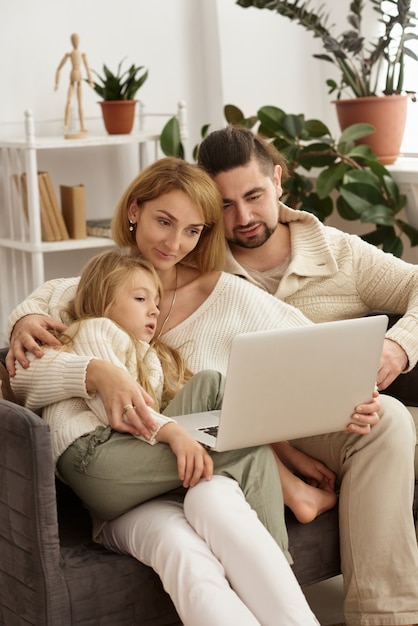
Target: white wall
[[206, 52]]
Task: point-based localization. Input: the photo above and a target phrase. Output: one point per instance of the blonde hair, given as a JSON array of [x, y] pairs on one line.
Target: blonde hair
[[97, 290], [161, 177]]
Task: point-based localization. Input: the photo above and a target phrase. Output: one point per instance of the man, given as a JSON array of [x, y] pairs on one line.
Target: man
[[331, 275]]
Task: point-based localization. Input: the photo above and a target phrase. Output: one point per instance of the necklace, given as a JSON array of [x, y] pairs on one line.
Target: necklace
[[173, 300]]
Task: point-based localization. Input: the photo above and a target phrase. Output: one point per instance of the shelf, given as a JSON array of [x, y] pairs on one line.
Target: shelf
[[58, 142], [23, 255], [405, 170], [57, 246]]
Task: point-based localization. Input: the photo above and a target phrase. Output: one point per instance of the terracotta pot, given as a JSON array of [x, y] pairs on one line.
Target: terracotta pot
[[386, 113], [118, 116]]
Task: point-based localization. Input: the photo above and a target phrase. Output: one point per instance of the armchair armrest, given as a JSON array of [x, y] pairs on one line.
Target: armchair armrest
[[32, 588]]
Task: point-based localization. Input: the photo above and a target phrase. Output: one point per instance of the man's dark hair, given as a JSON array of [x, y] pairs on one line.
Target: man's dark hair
[[235, 146]]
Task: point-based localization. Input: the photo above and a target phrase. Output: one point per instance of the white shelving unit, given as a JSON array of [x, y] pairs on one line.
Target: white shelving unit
[[22, 251]]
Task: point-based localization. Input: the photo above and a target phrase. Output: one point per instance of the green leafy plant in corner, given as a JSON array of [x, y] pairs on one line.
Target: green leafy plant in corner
[[120, 86], [326, 173], [363, 64]]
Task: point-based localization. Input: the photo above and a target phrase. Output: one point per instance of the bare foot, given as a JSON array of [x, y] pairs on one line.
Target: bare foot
[[307, 502]]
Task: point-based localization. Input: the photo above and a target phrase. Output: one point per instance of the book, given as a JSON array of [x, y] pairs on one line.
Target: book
[[73, 205], [21, 190], [47, 209], [54, 207], [99, 227], [47, 231]]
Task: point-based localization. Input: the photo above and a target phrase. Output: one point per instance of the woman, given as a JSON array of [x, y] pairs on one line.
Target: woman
[[174, 219]]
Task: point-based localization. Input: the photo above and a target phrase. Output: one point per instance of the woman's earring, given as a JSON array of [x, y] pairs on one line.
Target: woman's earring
[[131, 225]]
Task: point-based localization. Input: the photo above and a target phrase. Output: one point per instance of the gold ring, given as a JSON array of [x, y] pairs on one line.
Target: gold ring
[[127, 408]]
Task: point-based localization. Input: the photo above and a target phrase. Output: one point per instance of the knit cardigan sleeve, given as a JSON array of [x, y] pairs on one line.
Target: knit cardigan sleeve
[[48, 299], [102, 338], [57, 375], [389, 284]]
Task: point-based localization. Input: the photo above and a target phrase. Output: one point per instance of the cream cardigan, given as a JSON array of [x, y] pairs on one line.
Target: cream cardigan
[[204, 338]]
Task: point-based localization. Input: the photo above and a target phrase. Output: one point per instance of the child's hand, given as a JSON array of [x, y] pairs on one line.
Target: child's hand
[[193, 462]]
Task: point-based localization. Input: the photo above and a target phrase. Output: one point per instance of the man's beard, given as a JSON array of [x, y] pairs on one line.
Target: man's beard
[[252, 242]]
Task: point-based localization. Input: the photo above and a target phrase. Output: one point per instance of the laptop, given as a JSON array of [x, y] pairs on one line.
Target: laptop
[[290, 383]]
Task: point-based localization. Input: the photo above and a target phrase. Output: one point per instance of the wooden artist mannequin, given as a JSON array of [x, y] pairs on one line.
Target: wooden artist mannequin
[[76, 57]]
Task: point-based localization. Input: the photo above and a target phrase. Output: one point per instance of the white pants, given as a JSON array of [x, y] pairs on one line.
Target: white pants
[[215, 559]]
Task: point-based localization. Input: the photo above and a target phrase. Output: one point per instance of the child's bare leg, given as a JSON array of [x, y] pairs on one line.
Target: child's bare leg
[[306, 502]]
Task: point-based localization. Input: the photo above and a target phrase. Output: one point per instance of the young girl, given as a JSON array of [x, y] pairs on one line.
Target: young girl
[[115, 312]]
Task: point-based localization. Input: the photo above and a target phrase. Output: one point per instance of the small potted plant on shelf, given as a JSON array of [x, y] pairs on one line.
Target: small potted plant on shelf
[[118, 92], [371, 71]]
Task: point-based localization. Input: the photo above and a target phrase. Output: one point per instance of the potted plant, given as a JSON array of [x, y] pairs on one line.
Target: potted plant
[[325, 173], [368, 69], [118, 92]]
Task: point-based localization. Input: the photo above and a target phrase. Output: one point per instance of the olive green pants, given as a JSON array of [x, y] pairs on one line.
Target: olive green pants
[[123, 472]]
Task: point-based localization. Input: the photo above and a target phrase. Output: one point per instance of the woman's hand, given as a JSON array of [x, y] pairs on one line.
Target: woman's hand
[[119, 390], [365, 416], [193, 462], [27, 334]]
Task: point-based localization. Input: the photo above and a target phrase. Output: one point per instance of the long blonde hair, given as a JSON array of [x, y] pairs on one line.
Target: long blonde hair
[[97, 290], [161, 177]]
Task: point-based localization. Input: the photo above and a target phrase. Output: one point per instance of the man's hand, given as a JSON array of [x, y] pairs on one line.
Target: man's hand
[[393, 362], [365, 416], [27, 334]]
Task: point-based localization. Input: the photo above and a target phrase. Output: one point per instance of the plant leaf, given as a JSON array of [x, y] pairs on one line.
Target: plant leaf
[[329, 179], [170, 140], [356, 131], [233, 114], [316, 128], [386, 237], [378, 214], [271, 118]]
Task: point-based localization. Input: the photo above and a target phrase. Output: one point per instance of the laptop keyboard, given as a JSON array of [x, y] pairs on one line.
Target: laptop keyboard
[[210, 430]]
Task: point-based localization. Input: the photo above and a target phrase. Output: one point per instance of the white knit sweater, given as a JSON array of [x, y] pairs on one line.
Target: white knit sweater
[[235, 306], [333, 275]]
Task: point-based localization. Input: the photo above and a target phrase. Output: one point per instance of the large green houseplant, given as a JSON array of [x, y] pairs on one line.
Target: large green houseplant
[[368, 66], [118, 91]]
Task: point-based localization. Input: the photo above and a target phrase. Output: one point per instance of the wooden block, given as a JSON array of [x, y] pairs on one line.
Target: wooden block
[[73, 204]]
